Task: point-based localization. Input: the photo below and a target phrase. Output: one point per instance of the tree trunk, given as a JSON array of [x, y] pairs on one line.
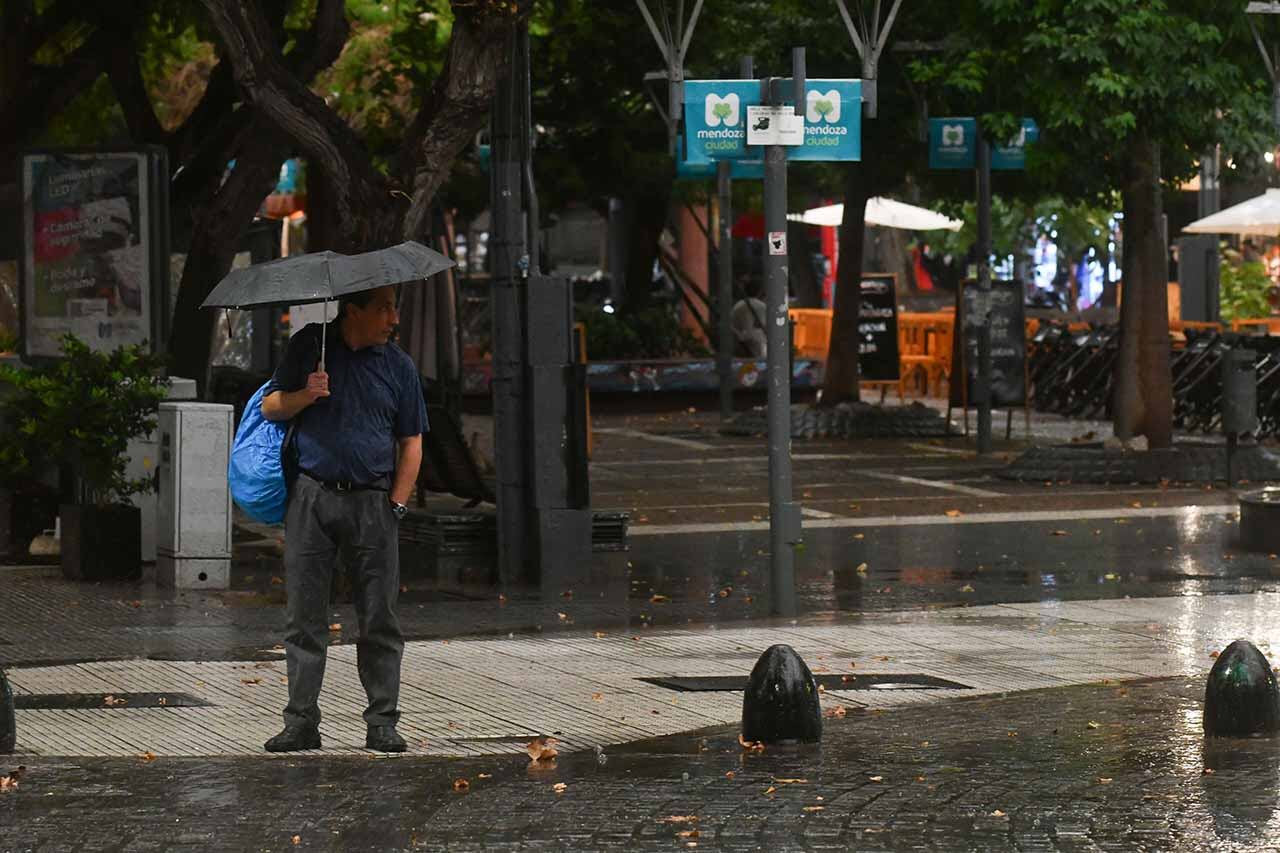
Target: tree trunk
[[646, 216], [1144, 384], [219, 226], [804, 284], [840, 383]]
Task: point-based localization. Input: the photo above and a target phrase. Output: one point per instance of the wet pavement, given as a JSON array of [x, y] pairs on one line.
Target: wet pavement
[[1114, 767], [897, 531]]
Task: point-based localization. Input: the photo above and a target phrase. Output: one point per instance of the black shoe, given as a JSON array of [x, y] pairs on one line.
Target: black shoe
[[294, 738], [384, 739]]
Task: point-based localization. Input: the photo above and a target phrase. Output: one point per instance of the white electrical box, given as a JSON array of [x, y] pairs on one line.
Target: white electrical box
[[143, 453], [193, 503]]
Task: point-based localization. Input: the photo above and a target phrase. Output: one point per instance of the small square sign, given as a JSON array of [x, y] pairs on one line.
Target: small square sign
[[777, 242], [768, 125]]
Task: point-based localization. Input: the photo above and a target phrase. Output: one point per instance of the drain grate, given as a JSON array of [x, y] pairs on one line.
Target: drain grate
[[98, 701], [861, 681]]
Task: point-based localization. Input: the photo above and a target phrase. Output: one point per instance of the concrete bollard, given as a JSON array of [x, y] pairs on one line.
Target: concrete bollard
[[8, 724], [1241, 698], [781, 704]]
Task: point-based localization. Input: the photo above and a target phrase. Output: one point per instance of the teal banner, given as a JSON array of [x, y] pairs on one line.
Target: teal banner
[[1012, 157], [953, 145], [715, 116]]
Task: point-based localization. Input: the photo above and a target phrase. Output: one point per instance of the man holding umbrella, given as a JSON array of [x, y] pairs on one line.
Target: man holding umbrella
[[356, 402]]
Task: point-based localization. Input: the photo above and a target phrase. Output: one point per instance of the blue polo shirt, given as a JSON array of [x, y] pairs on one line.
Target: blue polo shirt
[[375, 398]]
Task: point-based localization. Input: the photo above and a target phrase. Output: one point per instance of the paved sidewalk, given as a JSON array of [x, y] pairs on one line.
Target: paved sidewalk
[[1104, 767], [491, 696]]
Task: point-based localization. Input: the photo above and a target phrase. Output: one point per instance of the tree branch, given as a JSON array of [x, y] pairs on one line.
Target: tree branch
[[126, 79], [300, 114]]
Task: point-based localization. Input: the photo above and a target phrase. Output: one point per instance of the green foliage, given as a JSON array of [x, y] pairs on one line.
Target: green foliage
[[81, 411], [1242, 291], [8, 340], [649, 333]]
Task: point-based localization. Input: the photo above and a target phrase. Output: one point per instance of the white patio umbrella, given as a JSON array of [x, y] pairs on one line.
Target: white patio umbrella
[[1258, 215], [883, 211]]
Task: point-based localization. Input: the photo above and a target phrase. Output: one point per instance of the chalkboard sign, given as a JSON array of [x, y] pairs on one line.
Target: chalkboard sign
[[878, 328], [1008, 345]]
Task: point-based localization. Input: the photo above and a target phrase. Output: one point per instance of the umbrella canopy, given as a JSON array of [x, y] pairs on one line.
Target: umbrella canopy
[[322, 276], [1258, 215], [886, 212]]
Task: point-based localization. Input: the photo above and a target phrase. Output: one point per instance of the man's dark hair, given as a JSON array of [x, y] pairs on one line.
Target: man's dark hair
[[360, 299]]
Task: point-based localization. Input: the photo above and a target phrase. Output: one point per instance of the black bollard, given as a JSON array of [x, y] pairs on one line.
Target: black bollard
[[781, 701], [1241, 698], [8, 725]]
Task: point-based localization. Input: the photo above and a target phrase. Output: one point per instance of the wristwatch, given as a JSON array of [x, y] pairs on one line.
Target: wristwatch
[[398, 509]]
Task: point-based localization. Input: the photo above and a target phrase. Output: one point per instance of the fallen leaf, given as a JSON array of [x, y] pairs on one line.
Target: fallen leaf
[[1213, 654], [725, 592], [600, 635], [564, 617], [729, 774], [461, 785], [836, 712], [559, 787], [954, 513], [251, 681], [1110, 576], [966, 588], [680, 818], [1136, 504], [1104, 780], [10, 780], [791, 781], [1094, 725], [485, 775], [813, 808], [336, 626], [297, 839], [567, 594], [276, 580], [658, 599], [542, 748], [688, 833], [770, 789], [597, 697], [1208, 771], [862, 568], [750, 745], [877, 778], [148, 756], [114, 700], [997, 813], [1059, 533]]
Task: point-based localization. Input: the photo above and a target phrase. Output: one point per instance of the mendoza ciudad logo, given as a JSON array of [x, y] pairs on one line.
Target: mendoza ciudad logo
[[723, 117], [822, 118]]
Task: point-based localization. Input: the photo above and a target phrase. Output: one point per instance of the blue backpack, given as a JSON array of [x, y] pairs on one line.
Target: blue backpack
[[259, 472]]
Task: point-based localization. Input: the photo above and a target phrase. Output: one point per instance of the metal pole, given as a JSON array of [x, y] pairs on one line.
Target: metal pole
[[724, 187], [984, 294], [724, 355], [510, 268], [784, 515]]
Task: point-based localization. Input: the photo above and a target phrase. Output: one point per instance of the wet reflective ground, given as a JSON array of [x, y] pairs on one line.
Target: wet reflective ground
[[1103, 767]]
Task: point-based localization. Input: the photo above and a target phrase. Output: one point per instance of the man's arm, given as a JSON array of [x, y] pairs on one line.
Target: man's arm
[[408, 459], [284, 405]]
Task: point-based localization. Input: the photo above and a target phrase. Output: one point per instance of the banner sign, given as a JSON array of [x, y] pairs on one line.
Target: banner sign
[[953, 145], [1012, 157], [715, 120], [739, 170], [94, 258]]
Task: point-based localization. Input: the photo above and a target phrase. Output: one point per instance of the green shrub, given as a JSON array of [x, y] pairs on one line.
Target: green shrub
[[80, 411], [1242, 291]]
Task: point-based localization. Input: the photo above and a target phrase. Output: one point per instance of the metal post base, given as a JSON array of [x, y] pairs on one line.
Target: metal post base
[[193, 572]]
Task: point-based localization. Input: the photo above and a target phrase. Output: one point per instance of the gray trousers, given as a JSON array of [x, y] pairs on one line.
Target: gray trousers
[[320, 526]]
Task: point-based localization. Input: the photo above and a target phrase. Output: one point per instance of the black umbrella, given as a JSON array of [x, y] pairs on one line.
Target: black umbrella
[[323, 276]]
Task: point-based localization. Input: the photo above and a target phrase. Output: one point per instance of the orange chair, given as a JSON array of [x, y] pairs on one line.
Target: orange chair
[[810, 331]]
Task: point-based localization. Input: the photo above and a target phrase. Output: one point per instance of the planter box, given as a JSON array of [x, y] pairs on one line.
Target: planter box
[[101, 543]]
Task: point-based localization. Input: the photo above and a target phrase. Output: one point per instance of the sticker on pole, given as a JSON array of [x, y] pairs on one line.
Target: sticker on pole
[[767, 125], [777, 242]]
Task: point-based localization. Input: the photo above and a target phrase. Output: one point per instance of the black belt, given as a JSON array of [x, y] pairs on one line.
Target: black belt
[[341, 486]]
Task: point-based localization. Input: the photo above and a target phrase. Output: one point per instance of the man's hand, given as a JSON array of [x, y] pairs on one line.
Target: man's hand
[[317, 386]]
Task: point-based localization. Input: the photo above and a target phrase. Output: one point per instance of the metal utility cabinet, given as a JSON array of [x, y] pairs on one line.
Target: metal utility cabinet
[[193, 531]]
